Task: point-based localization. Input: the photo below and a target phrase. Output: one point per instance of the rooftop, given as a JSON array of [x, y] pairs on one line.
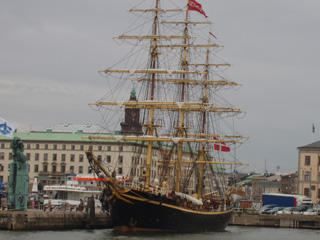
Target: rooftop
[[74, 128], [312, 145]]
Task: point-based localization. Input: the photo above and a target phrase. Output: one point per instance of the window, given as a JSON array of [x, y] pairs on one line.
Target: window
[[63, 169], [307, 160], [28, 156], [37, 146], [2, 145], [71, 169], [306, 192], [81, 147], [108, 148], [54, 146], [36, 168], [108, 157], [120, 159], [119, 170], [11, 156], [28, 146], [120, 148], [54, 168], [73, 147], [63, 157], [45, 167], [46, 146], [99, 148], [80, 169], [45, 156], [72, 158], [1, 168], [63, 147], [80, 158], [54, 157], [36, 157], [89, 170], [313, 187], [1, 155], [306, 176]]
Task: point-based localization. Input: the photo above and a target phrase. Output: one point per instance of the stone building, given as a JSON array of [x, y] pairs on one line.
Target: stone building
[[263, 184], [308, 171], [60, 149], [289, 184]]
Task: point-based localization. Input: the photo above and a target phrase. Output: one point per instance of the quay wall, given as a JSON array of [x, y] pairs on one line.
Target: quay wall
[[59, 220], [63, 220], [282, 221]]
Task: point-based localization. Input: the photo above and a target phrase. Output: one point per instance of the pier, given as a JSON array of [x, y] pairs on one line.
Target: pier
[[282, 221], [63, 220], [55, 220]]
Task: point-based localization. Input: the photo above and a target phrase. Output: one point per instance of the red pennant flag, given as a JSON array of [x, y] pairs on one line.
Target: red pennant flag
[[213, 35], [221, 146], [195, 6]]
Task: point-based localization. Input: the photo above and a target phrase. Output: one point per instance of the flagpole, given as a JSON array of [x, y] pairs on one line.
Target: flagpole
[[313, 131]]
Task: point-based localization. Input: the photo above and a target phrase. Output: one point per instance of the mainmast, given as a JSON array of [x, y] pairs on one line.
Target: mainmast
[[150, 125], [182, 113]]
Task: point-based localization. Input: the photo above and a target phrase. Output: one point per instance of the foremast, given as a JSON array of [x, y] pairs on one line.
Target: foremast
[[150, 126]]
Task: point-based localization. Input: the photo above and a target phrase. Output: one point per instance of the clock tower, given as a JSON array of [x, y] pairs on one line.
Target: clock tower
[[131, 124]]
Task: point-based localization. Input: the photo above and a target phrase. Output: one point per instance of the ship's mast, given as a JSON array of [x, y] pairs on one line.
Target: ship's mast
[[182, 112], [203, 150], [150, 126]]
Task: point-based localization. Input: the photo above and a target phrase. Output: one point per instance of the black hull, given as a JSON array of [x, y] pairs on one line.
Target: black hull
[[145, 213]]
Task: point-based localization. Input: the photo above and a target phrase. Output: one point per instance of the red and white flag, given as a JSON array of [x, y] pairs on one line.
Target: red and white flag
[[195, 6], [221, 146]]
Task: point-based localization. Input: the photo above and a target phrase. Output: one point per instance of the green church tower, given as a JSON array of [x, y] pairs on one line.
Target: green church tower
[[19, 177]]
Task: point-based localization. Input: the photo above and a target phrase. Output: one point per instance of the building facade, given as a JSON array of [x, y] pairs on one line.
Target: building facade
[[308, 171], [54, 152], [263, 184], [290, 184], [61, 149]]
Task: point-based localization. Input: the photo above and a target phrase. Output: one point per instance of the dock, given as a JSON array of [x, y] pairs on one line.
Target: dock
[[55, 220], [281, 221], [64, 220]]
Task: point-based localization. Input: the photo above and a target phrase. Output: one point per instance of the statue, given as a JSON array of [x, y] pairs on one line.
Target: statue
[[19, 178]]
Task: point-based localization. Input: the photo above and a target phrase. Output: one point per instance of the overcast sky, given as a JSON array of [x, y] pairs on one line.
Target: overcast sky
[[51, 51]]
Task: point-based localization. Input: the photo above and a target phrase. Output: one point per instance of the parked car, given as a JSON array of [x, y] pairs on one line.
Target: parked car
[[286, 210], [296, 210], [299, 210], [311, 211], [266, 208], [275, 210]]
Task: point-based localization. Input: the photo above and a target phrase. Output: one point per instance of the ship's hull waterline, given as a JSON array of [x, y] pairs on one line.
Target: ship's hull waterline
[[134, 212]]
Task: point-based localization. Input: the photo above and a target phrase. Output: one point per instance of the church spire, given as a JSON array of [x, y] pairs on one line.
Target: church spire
[[133, 95]]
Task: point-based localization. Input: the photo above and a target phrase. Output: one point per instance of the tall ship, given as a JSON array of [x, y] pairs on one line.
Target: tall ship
[[177, 124]]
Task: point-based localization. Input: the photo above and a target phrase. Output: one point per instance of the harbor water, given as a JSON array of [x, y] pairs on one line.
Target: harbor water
[[231, 233]]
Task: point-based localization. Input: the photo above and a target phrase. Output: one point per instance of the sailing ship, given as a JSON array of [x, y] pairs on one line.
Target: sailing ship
[[172, 123]]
